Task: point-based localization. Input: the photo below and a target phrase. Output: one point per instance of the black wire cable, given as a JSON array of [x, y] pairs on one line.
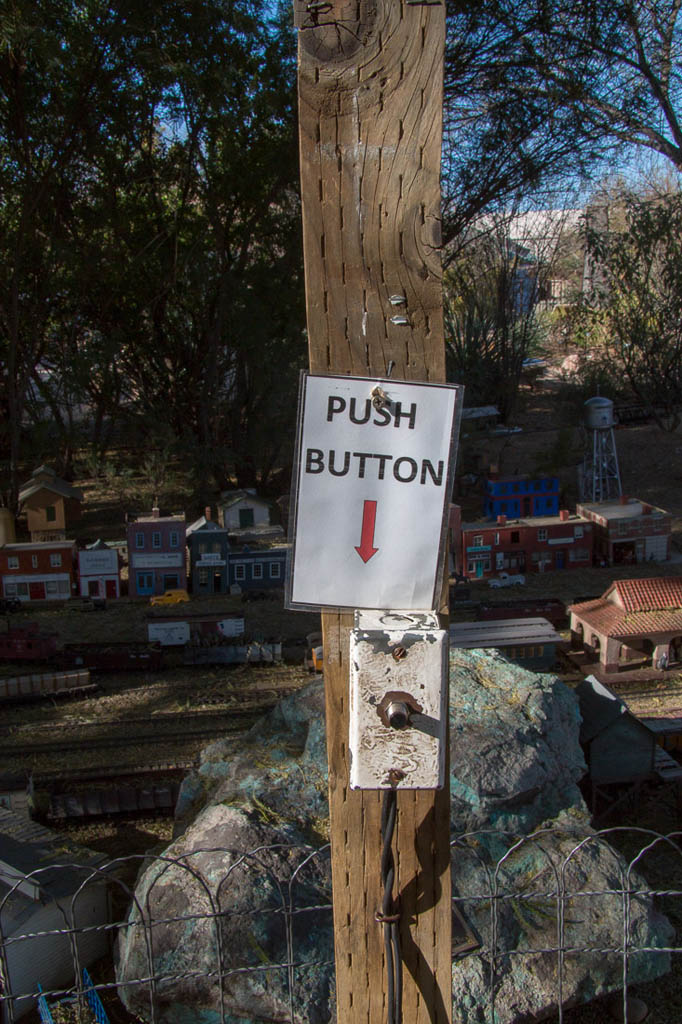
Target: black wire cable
[[389, 915]]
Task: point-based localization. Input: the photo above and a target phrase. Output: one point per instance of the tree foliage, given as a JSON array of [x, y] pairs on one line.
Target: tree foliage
[[635, 244], [493, 293], [149, 236]]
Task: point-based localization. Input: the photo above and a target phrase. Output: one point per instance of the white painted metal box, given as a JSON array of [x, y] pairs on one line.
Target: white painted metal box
[[398, 700]]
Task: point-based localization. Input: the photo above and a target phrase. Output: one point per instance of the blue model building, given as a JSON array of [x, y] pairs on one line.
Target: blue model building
[[521, 496]]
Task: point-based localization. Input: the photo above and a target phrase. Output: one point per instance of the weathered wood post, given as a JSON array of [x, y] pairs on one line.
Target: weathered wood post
[[370, 101]]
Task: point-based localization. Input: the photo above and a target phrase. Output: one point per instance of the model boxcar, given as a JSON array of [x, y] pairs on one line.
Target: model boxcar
[[27, 643]]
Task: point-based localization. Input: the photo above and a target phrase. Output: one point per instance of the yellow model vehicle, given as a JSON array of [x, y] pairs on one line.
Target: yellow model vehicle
[[170, 597]]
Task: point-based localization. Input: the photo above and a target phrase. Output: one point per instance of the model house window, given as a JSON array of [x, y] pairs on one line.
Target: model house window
[[50, 513], [34, 561], [203, 548], [173, 539], [515, 537], [240, 571], [542, 534], [497, 538], [257, 570], [478, 540], [10, 590], [12, 561], [203, 577], [578, 531], [55, 560], [156, 539], [246, 517], [215, 548], [274, 570], [139, 540], [51, 586]]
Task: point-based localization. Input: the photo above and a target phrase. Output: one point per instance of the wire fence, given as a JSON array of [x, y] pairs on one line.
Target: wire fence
[[540, 923]]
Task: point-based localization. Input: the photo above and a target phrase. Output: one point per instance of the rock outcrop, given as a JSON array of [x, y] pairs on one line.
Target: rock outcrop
[[246, 885]]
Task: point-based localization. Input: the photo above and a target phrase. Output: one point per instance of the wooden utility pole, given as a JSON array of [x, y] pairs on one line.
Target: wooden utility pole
[[370, 102]]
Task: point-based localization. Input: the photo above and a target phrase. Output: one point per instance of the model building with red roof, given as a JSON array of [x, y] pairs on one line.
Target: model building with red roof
[[633, 619]]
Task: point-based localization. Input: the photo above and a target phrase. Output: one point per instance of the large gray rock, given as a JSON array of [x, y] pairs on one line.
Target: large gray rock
[[515, 765]]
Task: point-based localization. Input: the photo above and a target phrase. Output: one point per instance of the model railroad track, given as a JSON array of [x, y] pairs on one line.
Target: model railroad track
[[103, 776], [127, 732], [194, 722]]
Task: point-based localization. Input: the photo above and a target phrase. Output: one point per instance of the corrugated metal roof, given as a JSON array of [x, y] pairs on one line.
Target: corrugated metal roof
[[502, 633]]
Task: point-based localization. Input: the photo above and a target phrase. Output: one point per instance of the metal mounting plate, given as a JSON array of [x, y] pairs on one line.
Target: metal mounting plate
[[397, 657]]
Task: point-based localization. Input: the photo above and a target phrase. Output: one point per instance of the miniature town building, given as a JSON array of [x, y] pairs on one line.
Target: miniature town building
[[243, 509], [521, 496], [99, 572], [40, 571], [55, 909], [156, 553], [628, 531], [209, 547], [51, 505], [526, 545], [258, 569], [528, 642], [632, 619]]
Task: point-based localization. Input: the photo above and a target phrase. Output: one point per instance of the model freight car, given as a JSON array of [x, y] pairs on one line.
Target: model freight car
[[126, 656], [550, 608], [245, 653], [27, 643], [176, 630], [44, 684], [93, 803]]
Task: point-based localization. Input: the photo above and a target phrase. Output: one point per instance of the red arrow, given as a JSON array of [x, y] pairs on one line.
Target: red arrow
[[369, 516]]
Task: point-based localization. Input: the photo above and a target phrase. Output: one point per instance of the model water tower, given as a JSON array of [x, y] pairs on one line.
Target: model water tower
[[599, 474]]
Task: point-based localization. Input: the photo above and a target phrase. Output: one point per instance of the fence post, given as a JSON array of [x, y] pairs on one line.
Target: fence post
[[370, 111]]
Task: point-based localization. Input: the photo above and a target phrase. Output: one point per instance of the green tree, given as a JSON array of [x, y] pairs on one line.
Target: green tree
[[150, 238], [492, 291], [635, 244]]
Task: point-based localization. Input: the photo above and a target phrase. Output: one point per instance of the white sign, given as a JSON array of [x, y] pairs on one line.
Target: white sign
[[374, 478], [97, 561], [170, 560], [168, 634]]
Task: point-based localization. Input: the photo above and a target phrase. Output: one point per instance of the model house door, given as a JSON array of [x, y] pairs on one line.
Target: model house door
[[110, 588], [36, 591]]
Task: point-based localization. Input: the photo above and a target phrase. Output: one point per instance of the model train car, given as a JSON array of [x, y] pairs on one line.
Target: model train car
[[45, 684], [27, 643], [126, 656], [524, 608], [93, 803]]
